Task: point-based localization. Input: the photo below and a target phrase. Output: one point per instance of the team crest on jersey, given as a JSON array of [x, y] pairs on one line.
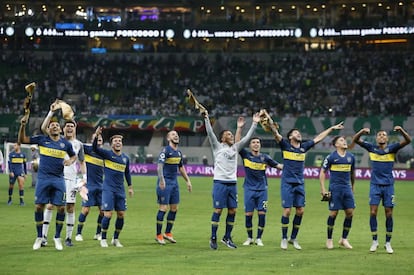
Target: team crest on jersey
[[302, 150], [262, 158], [387, 150], [348, 159], [62, 145], [124, 160]]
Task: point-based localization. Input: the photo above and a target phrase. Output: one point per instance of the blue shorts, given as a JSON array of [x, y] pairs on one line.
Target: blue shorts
[[94, 197], [113, 201], [224, 195], [384, 192], [341, 198], [292, 195], [50, 191], [170, 195], [255, 200]]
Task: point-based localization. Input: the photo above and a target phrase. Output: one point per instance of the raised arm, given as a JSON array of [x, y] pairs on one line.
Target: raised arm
[[46, 121], [21, 137], [273, 126], [406, 136], [357, 137], [210, 133], [240, 125], [325, 133], [242, 143]]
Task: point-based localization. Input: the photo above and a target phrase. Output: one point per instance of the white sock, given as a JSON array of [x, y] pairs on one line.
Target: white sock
[[47, 217], [70, 223]]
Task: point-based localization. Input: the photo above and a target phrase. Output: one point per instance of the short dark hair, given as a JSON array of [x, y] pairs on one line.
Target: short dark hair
[[290, 132], [70, 121], [222, 133], [335, 139], [255, 137]]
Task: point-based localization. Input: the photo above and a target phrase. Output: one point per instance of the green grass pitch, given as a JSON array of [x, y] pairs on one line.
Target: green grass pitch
[[192, 255]]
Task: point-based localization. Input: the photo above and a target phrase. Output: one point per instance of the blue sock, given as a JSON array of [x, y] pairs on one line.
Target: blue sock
[[105, 225], [119, 224], [297, 220], [261, 225], [81, 221], [160, 220], [215, 218], [170, 221], [285, 224], [60, 219], [389, 223], [249, 226], [347, 227], [229, 225], [373, 225], [38, 216], [21, 194], [330, 223]]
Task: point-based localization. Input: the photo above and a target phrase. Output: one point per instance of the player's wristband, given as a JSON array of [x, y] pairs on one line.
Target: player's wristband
[[50, 114]]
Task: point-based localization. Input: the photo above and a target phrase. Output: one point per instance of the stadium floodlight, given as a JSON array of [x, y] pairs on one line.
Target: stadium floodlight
[[169, 33], [29, 31], [298, 33], [10, 31], [187, 33]]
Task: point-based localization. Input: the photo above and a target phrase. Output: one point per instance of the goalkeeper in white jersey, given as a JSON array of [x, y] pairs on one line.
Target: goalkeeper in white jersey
[[225, 153]]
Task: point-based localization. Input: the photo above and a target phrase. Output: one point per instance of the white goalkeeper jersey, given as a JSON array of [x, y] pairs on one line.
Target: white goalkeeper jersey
[[71, 171], [225, 156]]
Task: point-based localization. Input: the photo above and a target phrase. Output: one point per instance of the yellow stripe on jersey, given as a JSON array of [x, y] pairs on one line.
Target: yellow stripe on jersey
[[382, 158], [51, 152], [17, 160], [254, 165], [115, 166], [94, 160], [341, 167], [173, 160], [294, 156]]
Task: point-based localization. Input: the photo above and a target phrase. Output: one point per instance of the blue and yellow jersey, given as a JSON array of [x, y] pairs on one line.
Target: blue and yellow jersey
[[382, 162], [52, 154], [94, 167], [294, 161], [340, 168], [255, 169], [116, 168], [17, 163], [172, 160]]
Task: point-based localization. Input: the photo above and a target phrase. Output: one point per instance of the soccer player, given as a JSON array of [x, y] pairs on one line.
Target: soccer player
[[116, 168], [170, 160], [70, 173], [292, 188], [50, 187], [382, 156], [17, 171], [255, 185], [225, 153], [341, 167], [94, 171]]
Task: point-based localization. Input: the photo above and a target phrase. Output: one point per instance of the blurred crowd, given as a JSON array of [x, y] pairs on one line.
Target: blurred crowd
[[337, 83]]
